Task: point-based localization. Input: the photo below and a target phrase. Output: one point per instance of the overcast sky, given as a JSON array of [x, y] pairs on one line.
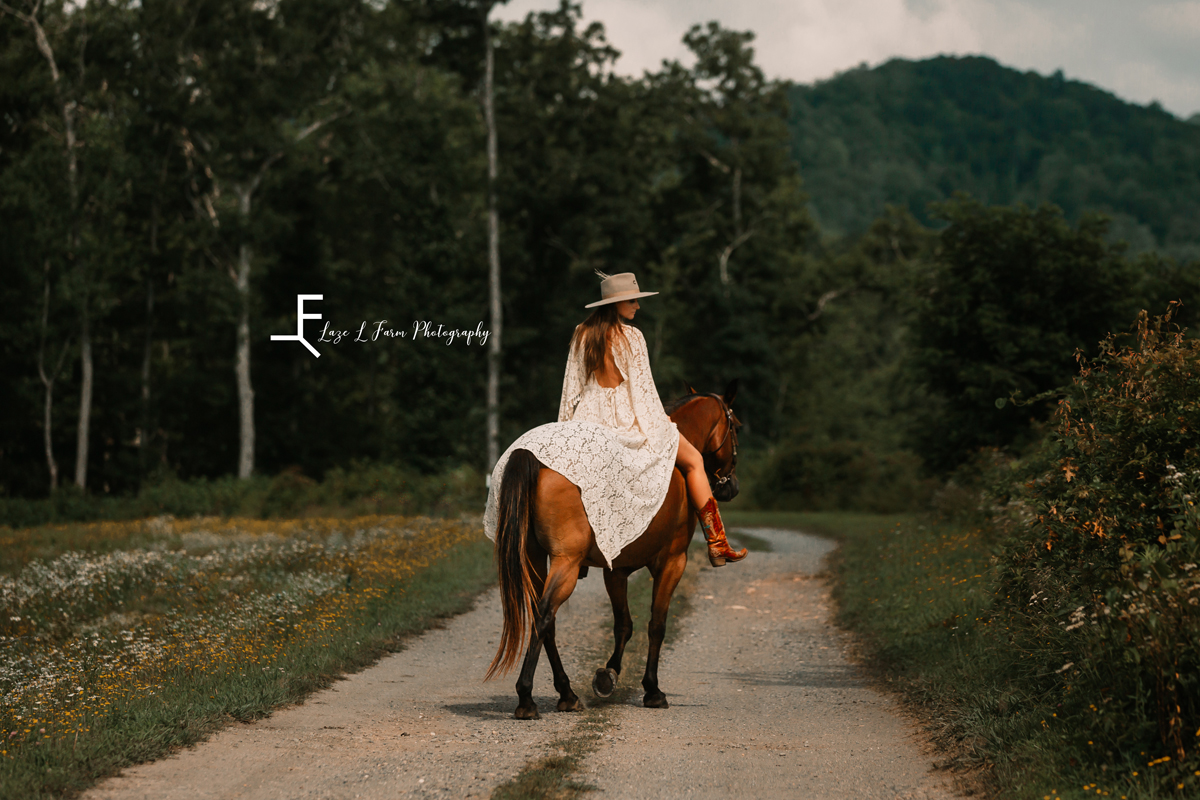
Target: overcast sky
[[1142, 50]]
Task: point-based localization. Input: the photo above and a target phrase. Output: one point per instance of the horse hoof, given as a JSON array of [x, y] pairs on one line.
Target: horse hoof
[[603, 683], [656, 700], [573, 704], [529, 712]]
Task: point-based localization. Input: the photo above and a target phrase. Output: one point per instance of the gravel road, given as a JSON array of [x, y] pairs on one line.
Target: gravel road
[[764, 703]]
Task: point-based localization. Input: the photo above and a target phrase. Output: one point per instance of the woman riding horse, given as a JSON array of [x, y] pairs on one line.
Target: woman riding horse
[[597, 488], [608, 381], [623, 471]]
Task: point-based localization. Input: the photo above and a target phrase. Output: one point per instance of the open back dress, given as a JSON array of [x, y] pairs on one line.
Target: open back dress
[[616, 444]]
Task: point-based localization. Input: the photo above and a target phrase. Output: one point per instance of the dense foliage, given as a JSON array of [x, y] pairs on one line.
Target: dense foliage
[[908, 133], [1013, 293], [1100, 586], [229, 157], [851, 400]]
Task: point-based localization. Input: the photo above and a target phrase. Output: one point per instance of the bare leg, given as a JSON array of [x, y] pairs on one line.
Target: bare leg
[[691, 464]]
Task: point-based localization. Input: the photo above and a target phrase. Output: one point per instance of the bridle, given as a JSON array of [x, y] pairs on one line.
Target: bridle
[[730, 430]]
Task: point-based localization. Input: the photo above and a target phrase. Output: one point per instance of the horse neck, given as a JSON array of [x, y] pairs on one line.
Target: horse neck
[[695, 420]]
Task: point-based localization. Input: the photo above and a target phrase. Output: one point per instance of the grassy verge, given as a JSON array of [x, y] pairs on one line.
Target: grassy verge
[[360, 490], [921, 596], [115, 659], [555, 775]]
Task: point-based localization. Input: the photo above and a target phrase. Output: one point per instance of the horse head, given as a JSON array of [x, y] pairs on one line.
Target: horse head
[[707, 421]]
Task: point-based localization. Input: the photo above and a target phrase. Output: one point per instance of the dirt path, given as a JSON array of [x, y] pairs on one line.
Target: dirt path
[[764, 703], [419, 723]]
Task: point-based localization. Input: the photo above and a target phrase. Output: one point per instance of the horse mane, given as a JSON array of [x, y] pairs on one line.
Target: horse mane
[[679, 402]]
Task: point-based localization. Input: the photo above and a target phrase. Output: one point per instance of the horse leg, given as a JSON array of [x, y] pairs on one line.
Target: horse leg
[[567, 699], [617, 584], [526, 708], [557, 587], [664, 586]]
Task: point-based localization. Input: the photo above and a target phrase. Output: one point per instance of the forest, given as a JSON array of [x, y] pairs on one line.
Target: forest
[[914, 132], [877, 257]]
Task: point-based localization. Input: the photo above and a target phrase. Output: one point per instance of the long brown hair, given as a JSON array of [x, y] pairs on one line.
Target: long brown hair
[[593, 334]]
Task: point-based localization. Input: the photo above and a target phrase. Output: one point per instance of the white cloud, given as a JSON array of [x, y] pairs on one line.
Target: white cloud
[[1134, 76], [1175, 19], [644, 32], [1142, 50], [830, 36]]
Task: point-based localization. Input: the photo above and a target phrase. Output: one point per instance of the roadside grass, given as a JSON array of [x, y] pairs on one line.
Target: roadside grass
[[360, 489], [119, 657], [554, 776], [920, 594]]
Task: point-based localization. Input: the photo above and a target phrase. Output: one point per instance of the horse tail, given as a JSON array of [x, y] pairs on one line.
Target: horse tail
[[514, 526]]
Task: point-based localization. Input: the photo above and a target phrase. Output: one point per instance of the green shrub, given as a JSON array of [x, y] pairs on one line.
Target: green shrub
[[1100, 584], [803, 476], [1011, 294], [360, 489]]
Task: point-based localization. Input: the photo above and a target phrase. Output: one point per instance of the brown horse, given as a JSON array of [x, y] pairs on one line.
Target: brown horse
[[541, 517]]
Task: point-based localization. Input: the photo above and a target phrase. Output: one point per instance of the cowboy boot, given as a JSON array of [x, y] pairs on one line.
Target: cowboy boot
[[714, 531]]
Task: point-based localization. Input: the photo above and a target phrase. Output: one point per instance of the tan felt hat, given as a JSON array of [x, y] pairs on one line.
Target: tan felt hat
[[615, 288]]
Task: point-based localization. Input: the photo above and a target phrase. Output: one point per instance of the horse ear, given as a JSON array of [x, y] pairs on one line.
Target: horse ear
[[689, 388], [731, 392]]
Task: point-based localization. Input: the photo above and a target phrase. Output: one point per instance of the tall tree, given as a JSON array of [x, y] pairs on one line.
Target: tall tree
[[67, 105], [266, 77], [732, 230], [495, 354], [1012, 295], [465, 32], [48, 378]]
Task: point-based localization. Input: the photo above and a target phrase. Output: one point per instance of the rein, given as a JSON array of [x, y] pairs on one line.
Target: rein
[[729, 431]]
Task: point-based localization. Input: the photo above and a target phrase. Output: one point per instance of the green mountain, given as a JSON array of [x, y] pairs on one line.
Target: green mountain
[[911, 132]]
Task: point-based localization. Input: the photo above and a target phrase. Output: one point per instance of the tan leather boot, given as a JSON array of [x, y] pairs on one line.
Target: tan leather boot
[[719, 550]]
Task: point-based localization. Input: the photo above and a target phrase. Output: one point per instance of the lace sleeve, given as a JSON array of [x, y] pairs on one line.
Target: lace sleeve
[[573, 382], [634, 362]]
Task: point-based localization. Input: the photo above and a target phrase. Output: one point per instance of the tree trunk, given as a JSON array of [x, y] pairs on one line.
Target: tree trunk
[[85, 399], [48, 430], [737, 201], [67, 108], [147, 350], [494, 358], [740, 235], [48, 383], [242, 366], [143, 438]]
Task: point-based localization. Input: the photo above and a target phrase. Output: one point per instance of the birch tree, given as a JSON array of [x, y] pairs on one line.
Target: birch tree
[[32, 15], [461, 25], [495, 362], [48, 379], [255, 98], [734, 223]]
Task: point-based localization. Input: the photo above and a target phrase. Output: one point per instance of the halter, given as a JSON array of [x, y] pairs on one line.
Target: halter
[[729, 431]]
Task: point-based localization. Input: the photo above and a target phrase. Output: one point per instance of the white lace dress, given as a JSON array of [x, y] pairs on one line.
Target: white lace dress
[[617, 445]]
